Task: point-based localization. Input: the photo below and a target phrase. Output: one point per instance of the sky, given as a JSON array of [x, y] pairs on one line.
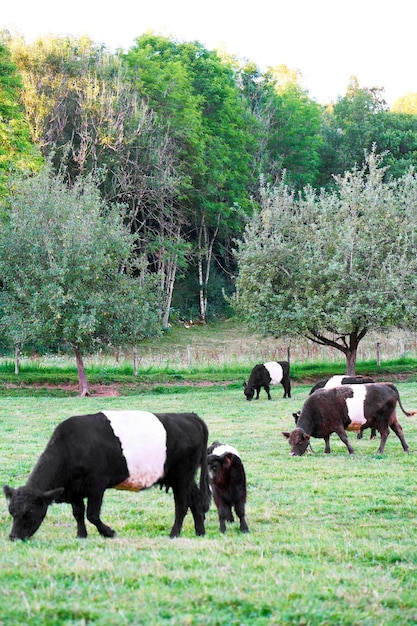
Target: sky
[[327, 41]]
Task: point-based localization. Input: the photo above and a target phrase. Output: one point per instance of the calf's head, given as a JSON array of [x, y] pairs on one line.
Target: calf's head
[[248, 391], [298, 440], [218, 467], [28, 508]]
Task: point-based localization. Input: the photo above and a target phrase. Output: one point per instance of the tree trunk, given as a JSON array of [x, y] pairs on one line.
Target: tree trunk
[[16, 358], [82, 380], [349, 349], [351, 361], [204, 255]]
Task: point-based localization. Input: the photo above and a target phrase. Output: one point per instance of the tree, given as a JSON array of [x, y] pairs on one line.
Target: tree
[[68, 269], [332, 265], [17, 153]]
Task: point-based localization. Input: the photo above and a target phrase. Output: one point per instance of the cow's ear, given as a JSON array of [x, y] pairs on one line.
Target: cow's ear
[[53, 496], [286, 435], [228, 458], [8, 492], [306, 437]]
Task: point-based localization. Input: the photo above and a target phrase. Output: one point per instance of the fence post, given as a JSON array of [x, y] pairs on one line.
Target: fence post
[[189, 355], [135, 361], [288, 354], [378, 354]]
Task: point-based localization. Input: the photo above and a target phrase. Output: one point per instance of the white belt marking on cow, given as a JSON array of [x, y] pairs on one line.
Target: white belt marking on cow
[[334, 381], [356, 406], [275, 371], [143, 440], [224, 449]]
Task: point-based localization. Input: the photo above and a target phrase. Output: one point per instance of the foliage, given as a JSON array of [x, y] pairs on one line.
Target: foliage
[[68, 270], [17, 153], [302, 271], [360, 122], [320, 551], [181, 135]]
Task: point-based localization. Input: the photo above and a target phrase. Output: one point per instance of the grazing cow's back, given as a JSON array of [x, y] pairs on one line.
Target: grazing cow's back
[[267, 374], [349, 407], [336, 381], [131, 450], [228, 483]]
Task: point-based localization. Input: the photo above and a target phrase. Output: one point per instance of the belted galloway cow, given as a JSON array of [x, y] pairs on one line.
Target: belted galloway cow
[[267, 374], [348, 407], [336, 381], [131, 450]]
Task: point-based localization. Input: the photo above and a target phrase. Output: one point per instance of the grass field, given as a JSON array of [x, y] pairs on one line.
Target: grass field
[[333, 538]]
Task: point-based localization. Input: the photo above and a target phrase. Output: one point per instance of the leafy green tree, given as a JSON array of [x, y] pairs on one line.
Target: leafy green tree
[[16, 149], [349, 130], [85, 106], [195, 96], [332, 266], [68, 269]]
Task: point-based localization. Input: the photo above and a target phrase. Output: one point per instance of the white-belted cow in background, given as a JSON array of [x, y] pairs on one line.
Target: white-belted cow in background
[[336, 381], [267, 374], [132, 450]]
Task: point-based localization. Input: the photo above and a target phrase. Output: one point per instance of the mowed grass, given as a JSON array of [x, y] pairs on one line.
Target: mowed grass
[[333, 538]]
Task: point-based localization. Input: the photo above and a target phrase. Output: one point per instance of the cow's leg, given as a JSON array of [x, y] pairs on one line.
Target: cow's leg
[[384, 432], [362, 428], [342, 435], [181, 508], [93, 514], [267, 389], [327, 444], [287, 390], [78, 511], [396, 427], [225, 515], [258, 389], [198, 514], [240, 512]]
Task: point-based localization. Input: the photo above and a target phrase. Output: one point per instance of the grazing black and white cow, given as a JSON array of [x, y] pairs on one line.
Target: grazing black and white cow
[[228, 483], [131, 450], [336, 381], [348, 407], [266, 374]]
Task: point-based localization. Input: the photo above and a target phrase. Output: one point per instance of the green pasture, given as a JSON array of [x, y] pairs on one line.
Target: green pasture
[[333, 538]]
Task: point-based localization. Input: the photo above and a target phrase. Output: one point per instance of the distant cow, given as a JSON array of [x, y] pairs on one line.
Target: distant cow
[[336, 381], [131, 450], [228, 483], [264, 375], [348, 407]]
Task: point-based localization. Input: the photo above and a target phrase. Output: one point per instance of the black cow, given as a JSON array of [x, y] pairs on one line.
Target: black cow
[[228, 483], [132, 450], [348, 407], [264, 375]]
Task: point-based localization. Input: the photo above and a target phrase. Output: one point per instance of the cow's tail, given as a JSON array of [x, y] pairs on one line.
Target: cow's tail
[[205, 492], [407, 413]]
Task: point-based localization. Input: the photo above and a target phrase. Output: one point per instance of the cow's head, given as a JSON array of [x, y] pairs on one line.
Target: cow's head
[[298, 440], [248, 391], [28, 508], [218, 466]]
